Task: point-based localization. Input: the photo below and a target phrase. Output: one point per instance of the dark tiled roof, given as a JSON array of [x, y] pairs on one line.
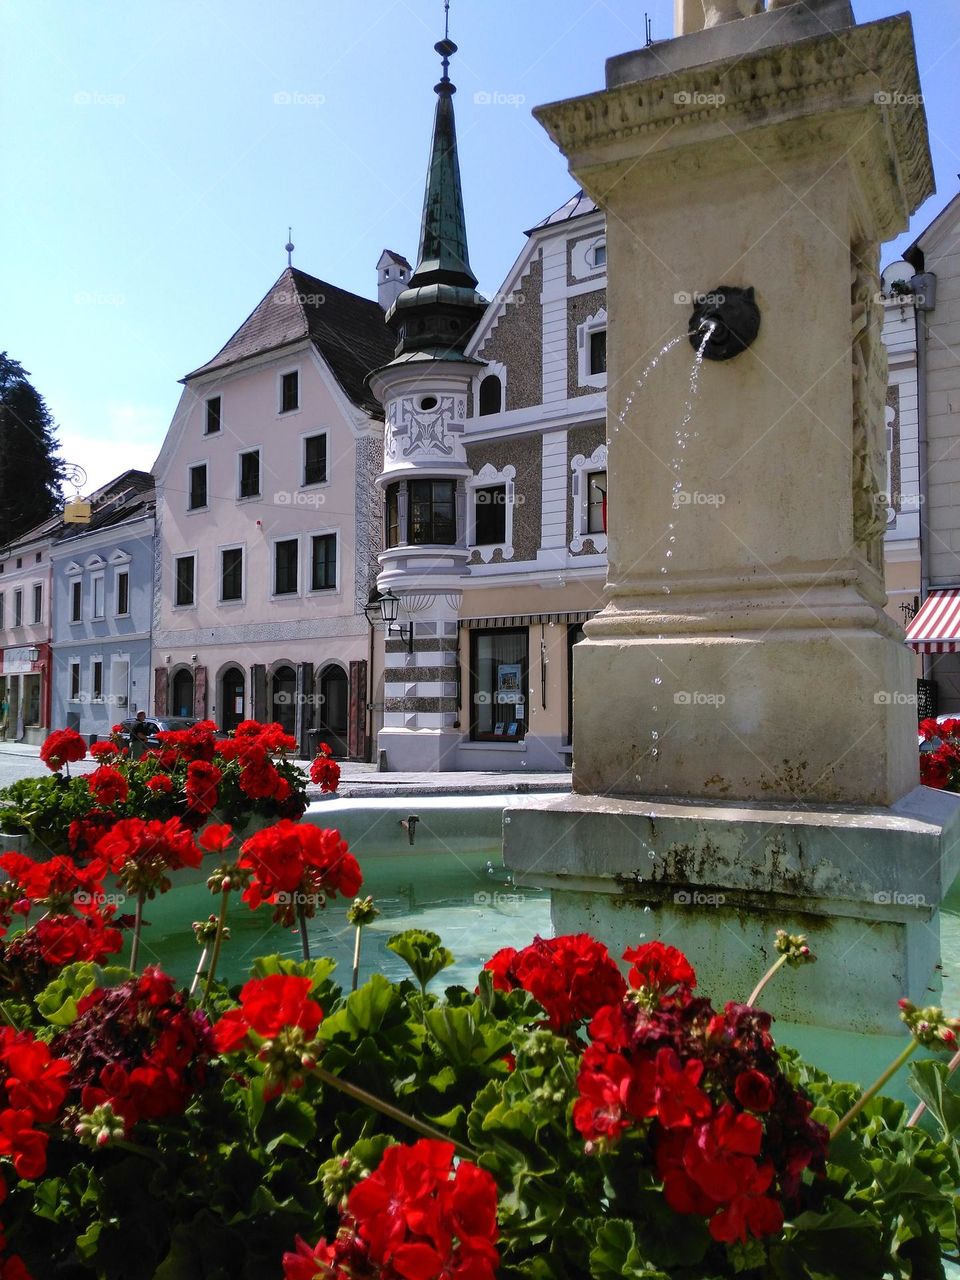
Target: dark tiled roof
[[130, 494], [578, 206], [118, 500], [348, 331], [397, 257]]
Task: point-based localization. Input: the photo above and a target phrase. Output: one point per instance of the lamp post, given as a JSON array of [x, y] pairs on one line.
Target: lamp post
[[385, 607]]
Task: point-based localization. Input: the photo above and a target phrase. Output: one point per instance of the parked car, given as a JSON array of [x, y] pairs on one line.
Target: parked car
[[155, 725]]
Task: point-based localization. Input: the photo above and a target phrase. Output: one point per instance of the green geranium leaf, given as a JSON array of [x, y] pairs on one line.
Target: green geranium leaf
[[928, 1080], [423, 951], [462, 1037], [364, 1010], [616, 1254], [58, 1001]]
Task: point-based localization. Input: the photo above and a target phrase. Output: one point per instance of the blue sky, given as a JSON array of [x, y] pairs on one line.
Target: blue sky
[[155, 154]]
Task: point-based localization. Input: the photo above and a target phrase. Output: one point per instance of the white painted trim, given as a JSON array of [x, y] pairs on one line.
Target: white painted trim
[[280, 375], [496, 370], [592, 324], [242, 598], [304, 436], [487, 477], [100, 577], [120, 557], [582, 467], [258, 450], [199, 462], [272, 593], [121, 569], [184, 555], [322, 593]]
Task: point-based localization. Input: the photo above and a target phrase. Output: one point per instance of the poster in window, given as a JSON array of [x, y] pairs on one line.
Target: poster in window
[[513, 729], [508, 677], [498, 728], [518, 711]]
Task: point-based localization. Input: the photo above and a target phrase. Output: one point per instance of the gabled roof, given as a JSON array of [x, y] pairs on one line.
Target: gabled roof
[[578, 206], [394, 257], [348, 332]]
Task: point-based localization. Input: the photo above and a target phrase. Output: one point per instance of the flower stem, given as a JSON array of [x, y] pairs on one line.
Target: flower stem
[[196, 977], [217, 942], [304, 940], [137, 927], [371, 1100], [5, 1014], [922, 1106], [356, 958], [755, 993], [875, 1088]]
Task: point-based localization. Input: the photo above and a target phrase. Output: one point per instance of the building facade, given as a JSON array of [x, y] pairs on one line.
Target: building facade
[[933, 291], [268, 523], [102, 576], [25, 634]]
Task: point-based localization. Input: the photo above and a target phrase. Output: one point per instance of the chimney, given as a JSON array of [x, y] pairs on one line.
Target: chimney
[[393, 273]]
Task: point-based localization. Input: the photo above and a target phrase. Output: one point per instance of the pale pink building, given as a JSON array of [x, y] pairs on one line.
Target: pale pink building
[[268, 520]]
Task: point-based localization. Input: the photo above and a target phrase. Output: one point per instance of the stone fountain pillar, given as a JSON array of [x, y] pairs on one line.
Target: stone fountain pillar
[[745, 727]]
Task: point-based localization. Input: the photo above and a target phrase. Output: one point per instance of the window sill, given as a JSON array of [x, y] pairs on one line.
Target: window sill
[[239, 600], [193, 511], [495, 744], [249, 497]]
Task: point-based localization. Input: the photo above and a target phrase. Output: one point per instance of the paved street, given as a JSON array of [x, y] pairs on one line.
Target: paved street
[[17, 760]]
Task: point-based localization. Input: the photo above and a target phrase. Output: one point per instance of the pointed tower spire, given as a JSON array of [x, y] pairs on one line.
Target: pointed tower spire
[[440, 306]]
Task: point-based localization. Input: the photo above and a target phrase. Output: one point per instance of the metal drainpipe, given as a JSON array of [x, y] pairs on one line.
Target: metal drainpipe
[[921, 323], [370, 690]]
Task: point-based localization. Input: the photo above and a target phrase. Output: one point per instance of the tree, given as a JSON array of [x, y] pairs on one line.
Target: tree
[[31, 469]]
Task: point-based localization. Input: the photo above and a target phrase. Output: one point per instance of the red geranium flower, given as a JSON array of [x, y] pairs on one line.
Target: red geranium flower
[[571, 976], [104, 750], [297, 867], [324, 771], [203, 780], [659, 968], [160, 783], [108, 786], [62, 747]]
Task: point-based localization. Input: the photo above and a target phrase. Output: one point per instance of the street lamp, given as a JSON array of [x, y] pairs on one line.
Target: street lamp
[[385, 607]]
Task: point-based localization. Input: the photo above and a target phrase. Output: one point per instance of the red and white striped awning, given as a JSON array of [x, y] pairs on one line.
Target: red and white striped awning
[[936, 624]]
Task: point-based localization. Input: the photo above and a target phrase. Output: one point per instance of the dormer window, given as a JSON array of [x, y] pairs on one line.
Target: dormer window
[[599, 254], [592, 351]]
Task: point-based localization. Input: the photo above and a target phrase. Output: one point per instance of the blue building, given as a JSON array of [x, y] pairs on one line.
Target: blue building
[[102, 576]]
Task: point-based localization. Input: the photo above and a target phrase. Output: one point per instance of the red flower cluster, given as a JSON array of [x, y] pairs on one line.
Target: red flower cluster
[[143, 852], [324, 771], [138, 1047], [413, 1218], [105, 750], [940, 768], [267, 1005], [729, 1133], [36, 1085], [571, 976], [108, 786], [252, 745], [59, 940], [53, 883], [61, 747], [203, 779], [196, 743], [297, 866]]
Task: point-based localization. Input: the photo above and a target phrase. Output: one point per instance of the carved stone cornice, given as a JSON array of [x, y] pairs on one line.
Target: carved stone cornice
[[868, 71]]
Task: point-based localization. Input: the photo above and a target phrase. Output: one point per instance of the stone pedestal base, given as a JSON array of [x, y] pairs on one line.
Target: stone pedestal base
[[419, 750], [812, 715], [865, 885]]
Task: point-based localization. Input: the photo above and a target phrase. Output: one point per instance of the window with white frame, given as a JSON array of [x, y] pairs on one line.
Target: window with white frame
[[491, 501], [76, 600], [37, 603], [96, 680], [122, 593], [289, 391], [74, 679], [231, 574], [18, 608], [286, 567], [598, 254], [97, 582], [197, 487], [592, 351], [2, 611], [248, 479], [184, 581], [323, 562], [214, 420], [589, 498], [315, 459]]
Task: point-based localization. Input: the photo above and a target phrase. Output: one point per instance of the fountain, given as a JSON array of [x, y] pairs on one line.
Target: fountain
[[745, 742]]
